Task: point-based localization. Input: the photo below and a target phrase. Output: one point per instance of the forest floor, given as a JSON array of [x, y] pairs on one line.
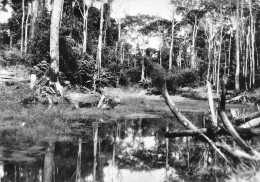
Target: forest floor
[[39, 124]]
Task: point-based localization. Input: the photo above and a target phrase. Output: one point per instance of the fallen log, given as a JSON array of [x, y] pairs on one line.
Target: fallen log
[[251, 124], [246, 117], [242, 98], [245, 133], [182, 133], [234, 133]]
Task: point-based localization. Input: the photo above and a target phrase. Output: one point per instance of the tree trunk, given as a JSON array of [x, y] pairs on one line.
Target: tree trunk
[[85, 25], [143, 71], [229, 55], [35, 9], [179, 57], [119, 30], [247, 57], [214, 65], [252, 43], [219, 58], [193, 52], [209, 58], [72, 18], [210, 46], [108, 23], [99, 50], [237, 74], [26, 27], [121, 52], [143, 66], [22, 32], [54, 42], [171, 49]]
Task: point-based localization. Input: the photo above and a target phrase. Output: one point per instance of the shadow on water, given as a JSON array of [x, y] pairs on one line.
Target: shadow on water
[[125, 151]]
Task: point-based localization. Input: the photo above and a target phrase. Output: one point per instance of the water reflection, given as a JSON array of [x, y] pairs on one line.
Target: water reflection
[[129, 150], [49, 163]]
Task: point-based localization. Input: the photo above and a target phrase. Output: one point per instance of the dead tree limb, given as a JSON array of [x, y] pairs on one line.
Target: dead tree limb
[[245, 118], [231, 129], [234, 134], [211, 105], [245, 133], [185, 121], [101, 101], [251, 124]]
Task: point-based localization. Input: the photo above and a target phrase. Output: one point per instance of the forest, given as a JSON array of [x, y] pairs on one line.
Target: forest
[[69, 66]]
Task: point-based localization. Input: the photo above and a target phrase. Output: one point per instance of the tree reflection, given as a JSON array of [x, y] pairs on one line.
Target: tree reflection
[[78, 173], [95, 139], [49, 163]]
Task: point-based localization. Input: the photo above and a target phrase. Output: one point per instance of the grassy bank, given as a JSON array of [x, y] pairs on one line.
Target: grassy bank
[[37, 123]]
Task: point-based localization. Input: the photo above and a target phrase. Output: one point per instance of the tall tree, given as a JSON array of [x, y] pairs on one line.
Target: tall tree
[[99, 50], [237, 74], [35, 9], [252, 27], [22, 32], [26, 27], [107, 19], [86, 6], [171, 49], [54, 41]]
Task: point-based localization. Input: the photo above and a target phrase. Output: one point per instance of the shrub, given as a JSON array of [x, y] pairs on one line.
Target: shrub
[[86, 70], [134, 75], [14, 57], [182, 78]]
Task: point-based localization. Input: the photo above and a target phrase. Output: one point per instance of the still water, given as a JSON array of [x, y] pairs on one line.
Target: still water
[[132, 150]]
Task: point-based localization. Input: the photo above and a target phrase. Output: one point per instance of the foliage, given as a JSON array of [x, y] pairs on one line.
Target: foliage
[[181, 78], [136, 33], [158, 75], [85, 70], [14, 57], [40, 46]]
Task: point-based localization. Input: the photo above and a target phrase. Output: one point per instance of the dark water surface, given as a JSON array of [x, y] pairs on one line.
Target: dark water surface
[[132, 150]]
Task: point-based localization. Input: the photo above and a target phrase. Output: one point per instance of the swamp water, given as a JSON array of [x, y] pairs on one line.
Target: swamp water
[[132, 150]]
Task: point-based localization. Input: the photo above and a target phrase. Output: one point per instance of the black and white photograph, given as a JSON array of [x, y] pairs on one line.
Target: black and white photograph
[[129, 91]]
